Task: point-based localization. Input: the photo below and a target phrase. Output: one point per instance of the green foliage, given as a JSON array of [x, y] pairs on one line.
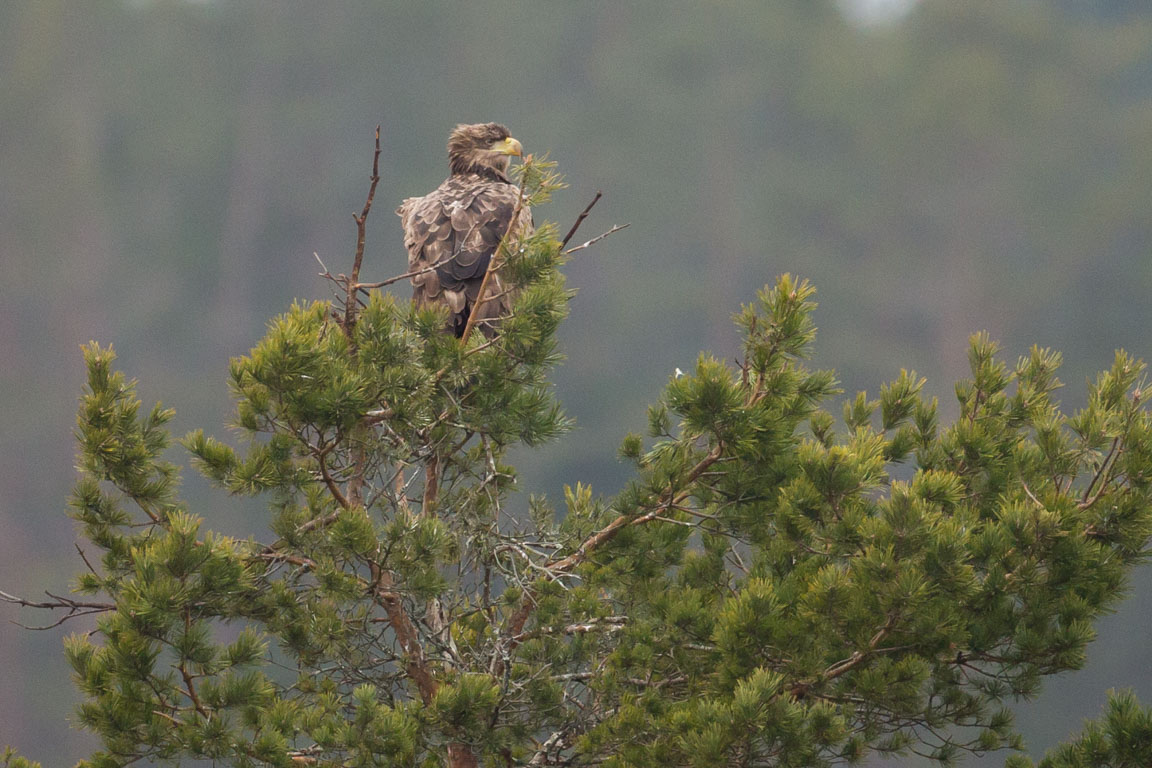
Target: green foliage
[[12, 760], [887, 604], [768, 590], [1120, 738], [913, 162]]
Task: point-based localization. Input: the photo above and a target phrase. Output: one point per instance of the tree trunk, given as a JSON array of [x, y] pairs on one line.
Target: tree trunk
[[461, 756]]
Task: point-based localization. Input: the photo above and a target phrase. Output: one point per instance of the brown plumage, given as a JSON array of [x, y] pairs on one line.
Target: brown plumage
[[458, 227]]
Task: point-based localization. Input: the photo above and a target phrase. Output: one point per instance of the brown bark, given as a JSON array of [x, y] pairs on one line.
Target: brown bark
[[415, 665], [461, 756]]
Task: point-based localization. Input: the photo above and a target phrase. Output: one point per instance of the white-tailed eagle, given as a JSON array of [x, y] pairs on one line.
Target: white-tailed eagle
[[454, 231]]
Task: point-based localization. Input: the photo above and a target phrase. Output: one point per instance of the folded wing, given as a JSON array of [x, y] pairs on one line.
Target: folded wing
[[452, 235]]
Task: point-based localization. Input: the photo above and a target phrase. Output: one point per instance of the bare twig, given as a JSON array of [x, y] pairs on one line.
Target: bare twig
[[1031, 495], [406, 275], [74, 607], [580, 219], [274, 555], [84, 557], [355, 487], [323, 266], [361, 220], [166, 716], [598, 238], [58, 602], [431, 484]]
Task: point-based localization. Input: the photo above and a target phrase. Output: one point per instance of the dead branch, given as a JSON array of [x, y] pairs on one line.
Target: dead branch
[[406, 275], [616, 228], [361, 219], [75, 608], [580, 219], [555, 744]]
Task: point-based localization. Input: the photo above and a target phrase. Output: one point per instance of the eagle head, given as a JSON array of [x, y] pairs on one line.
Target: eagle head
[[483, 148]]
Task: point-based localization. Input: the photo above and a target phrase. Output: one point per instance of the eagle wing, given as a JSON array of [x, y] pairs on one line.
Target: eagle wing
[[455, 231]]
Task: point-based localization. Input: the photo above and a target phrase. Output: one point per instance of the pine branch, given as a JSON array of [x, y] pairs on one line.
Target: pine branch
[[598, 539], [406, 633], [840, 668], [189, 685]]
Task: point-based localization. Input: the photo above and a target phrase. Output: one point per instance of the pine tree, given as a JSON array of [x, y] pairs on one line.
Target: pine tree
[[769, 590], [1122, 737]]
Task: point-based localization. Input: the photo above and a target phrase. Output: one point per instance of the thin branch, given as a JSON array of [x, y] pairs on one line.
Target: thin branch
[[598, 238], [1031, 495], [184, 671], [319, 522], [85, 559], [406, 275], [361, 220], [609, 532], [332, 487], [166, 716], [323, 266], [1104, 473], [274, 555], [580, 219], [359, 470], [74, 607], [431, 484], [856, 659]]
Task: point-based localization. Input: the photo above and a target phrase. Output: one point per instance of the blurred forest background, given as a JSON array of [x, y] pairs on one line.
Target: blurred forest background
[[937, 167]]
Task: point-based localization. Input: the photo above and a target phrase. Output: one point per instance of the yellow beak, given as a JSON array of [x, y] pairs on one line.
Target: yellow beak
[[509, 147]]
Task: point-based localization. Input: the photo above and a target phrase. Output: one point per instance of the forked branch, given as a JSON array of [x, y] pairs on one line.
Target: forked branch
[[74, 608], [352, 282]]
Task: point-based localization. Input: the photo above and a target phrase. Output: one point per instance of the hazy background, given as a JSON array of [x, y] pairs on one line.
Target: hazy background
[[167, 169]]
